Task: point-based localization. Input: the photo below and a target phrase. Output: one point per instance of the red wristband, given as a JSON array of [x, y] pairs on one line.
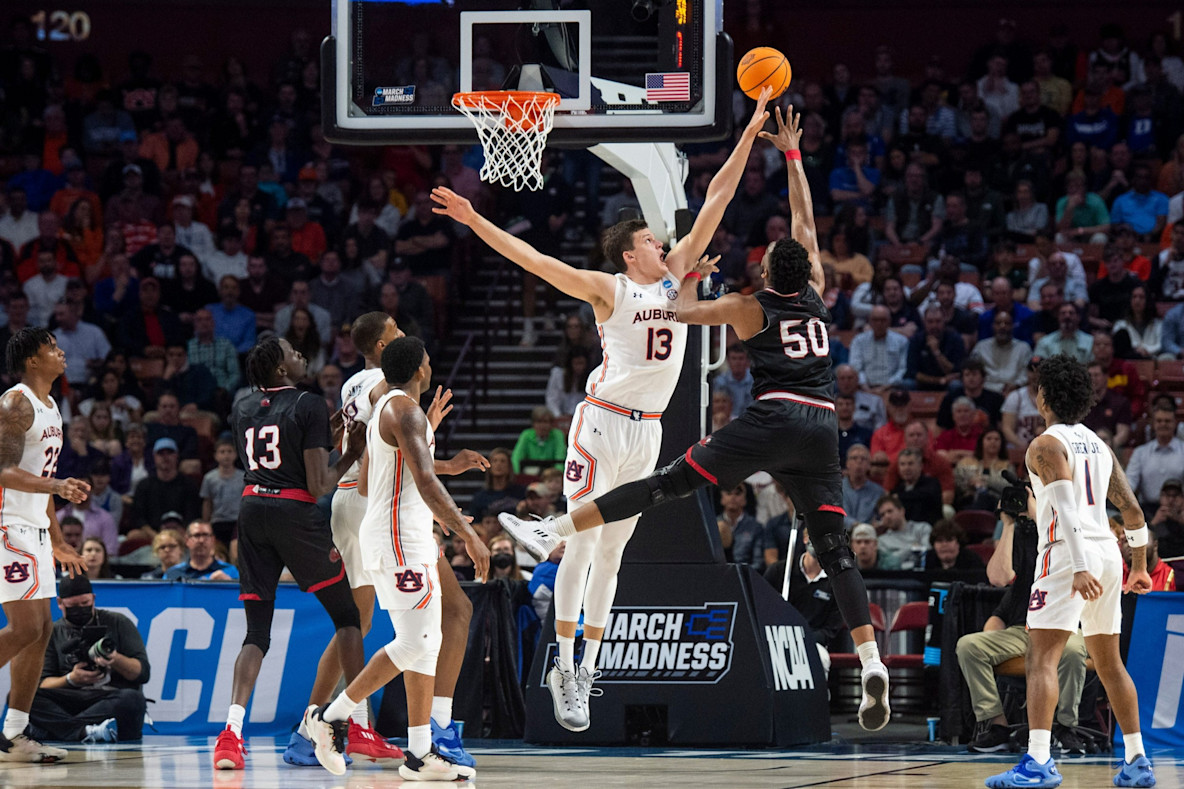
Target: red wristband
[[794, 154], [695, 275]]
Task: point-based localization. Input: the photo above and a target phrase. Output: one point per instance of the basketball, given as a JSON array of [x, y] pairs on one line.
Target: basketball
[[763, 66]]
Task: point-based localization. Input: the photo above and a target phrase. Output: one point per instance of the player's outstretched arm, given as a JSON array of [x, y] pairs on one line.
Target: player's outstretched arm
[[16, 416], [723, 186], [321, 478], [595, 287], [1046, 459], [1121, 496], [801, 207], [465, 460], [405, 423], [743, 313]]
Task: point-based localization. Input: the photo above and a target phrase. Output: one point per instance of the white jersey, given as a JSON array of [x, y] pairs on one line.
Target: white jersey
[[1091, 462], [356, 407], [43, 444], [397, 529], [643, 345]]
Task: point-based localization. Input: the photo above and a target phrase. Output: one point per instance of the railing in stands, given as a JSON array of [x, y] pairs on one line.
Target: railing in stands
[[470, 394]]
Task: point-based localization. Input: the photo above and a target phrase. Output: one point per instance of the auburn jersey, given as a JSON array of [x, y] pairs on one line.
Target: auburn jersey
[[792, 353], [272, 428]]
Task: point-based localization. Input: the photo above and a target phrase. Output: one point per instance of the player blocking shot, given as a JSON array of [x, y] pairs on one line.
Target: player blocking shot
[[790, 430], [404, 496], [1078, 572], [283, 436], [616, 433], [30, 442]]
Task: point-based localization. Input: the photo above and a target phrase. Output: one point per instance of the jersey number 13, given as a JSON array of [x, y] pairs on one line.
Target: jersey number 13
[[814, 342], [269, 440]]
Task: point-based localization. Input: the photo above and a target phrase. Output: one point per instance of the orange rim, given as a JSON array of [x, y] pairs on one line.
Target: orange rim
[[522, 110]]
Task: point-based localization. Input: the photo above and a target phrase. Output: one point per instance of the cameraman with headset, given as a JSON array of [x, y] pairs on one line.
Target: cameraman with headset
[[95, 667], [1005, 635]]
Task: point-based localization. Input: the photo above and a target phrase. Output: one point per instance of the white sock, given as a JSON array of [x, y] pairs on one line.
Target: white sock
[[1039, 742], [869, 652], [361, 715], [340, 709], [1133, 743], [567, 653], [564, 525], [591, 652], [302, 730], [442, 711], [234, 719], [15, 722], [419, 740]]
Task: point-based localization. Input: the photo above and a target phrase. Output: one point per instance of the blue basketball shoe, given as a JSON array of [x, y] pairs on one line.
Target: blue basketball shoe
[[1028, 773], [447, 742], [1136, 773]]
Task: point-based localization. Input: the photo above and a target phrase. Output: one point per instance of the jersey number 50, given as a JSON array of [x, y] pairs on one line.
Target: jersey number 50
[[814, 342], [269, 437]]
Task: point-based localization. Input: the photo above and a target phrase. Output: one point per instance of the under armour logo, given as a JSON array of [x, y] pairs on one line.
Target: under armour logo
[[1038, 599], [17, 572], [409, 581], [575, 471], [638, 295]]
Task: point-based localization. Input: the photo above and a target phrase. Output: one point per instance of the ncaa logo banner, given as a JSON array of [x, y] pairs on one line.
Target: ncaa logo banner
[[1155, 664], [666, 645]]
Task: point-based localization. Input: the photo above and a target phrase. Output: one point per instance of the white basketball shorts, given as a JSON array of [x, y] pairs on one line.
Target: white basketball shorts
[[26, 562], [607, 449], [1053, 605], [349, 507]]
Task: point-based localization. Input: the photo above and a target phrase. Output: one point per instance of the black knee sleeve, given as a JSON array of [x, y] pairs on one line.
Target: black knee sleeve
[[666, 484], [259, 614], [338, 601], [829, 539]]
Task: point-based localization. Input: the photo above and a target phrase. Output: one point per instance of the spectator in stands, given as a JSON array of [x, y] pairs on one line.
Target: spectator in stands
[[101, 492], [424, 240], [194, 385], [340, 297], [903, 539], [1067, 288], [118, 294], [879, 356], [869, 408], [233, 321], [860, 494], [304, 335], [1139, 334], [151, 326], [850, 431], [104, 432], [903, 316], [920, 493], [49, 239], [851, 267], [1068, 339], [745, 539], [856, 181], [1021, 419], [1081, 215], [1120, 374], [502, 559], [978, 479], [227, 260], [167, 424], [960, 237], [1163, 577], [996, 90], [948, 551], [133, 465], [736, 380], [889, 439], [192, 235], [125, 408], [300, 298], [1003, 263], [189, 292], [1158, 461], [77, 456], [934, 356], [565, 388], [868, 554], [1167, 279], [96, 522], [1110, 416], [1094, 125], [85, 345], [202, 565], [915, 214], [499, 484], [1002, 298], [1143, 208], [261, 292], [169, 549], [44, 290], [18, 226], [1003, 357], [1028, 217], [1168, 522], [959, 442], [98, 567], [214, 353], [160, 259], [283, 261], [541, 444], [987, 401], [165, 491]]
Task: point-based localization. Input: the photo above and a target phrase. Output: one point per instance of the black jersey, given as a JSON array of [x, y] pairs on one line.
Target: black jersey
[[792, 353], [272, 428]]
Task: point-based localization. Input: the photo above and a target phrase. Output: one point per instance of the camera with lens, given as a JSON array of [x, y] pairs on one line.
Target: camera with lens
[[1014, 498], [92, 644]]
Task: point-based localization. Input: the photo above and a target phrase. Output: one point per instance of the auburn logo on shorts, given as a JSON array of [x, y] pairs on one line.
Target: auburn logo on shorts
[[16, 573], [409, 581], [1038, 599], [575, 471]]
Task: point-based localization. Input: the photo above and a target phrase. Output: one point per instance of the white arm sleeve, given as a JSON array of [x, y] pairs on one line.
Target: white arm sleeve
[[1064, 504]]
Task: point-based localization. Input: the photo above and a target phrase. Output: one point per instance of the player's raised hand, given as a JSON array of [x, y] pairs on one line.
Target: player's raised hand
[[478, 551], [439, 407], [789, 130], [705, 266], [65, 555], [1138, 582], [450, 204], [468, 459], [760, 114], [72, 490], [1087, 586]]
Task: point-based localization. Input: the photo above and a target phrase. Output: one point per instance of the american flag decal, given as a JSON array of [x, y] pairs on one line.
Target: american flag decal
[[672, 86]]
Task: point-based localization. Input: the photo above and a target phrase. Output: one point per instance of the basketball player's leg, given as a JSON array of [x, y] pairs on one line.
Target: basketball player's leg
[[329, 667], [24, 640]]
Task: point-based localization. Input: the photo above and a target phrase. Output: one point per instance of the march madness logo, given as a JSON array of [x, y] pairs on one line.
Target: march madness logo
[[16, 573], [666, 645], [409, 581]]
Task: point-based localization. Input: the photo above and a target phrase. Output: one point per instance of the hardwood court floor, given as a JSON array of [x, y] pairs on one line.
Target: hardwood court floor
[[185, 763]]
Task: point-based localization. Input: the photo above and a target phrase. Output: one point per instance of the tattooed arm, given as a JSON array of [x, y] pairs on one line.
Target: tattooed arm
[[16, 417], [1122, 497]]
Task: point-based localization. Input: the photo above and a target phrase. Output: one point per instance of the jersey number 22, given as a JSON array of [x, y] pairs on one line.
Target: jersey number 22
[[269, 439]]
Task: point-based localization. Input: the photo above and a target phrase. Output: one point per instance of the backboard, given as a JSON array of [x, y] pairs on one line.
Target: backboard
[[625, 70]]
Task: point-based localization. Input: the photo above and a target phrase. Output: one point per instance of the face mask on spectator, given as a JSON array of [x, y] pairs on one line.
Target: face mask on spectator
[[79, 615], [502, 561]]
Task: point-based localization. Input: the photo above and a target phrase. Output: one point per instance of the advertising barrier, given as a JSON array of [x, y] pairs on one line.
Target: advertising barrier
[[1156, 664]]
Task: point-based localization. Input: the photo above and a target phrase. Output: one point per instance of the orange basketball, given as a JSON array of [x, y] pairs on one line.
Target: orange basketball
[[763, 66]]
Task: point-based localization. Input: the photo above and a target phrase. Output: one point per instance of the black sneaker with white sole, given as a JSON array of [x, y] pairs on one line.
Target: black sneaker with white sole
[[991, 739]]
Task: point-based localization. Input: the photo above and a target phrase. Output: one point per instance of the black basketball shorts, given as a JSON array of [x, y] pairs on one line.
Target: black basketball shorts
[[275, 533]]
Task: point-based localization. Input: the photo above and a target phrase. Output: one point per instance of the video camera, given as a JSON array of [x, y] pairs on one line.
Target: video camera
[[91, 644], [1013, 501]]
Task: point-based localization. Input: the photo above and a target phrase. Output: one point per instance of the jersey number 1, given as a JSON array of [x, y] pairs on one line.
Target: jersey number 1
[[658, 345], [815, 342], [269, 437]]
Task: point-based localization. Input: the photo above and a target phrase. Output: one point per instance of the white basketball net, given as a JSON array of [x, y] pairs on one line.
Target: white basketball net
[[513, 128]]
